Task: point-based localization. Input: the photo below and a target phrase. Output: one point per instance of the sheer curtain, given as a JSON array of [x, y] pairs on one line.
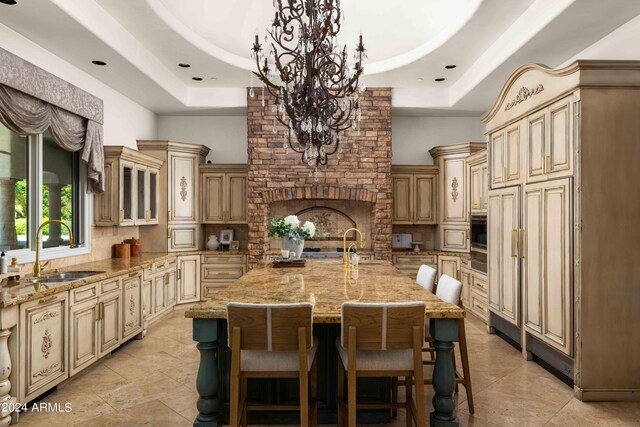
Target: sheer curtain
[[26, 114]]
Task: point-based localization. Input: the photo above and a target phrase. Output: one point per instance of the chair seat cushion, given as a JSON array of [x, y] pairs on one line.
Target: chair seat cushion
[[275, 361], [378, 360]]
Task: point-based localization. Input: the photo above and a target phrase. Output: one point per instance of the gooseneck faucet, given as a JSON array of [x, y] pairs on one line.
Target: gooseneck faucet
[[37, 267], [345, 255]]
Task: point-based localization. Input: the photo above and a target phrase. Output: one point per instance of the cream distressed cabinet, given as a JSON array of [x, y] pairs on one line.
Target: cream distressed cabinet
[[546, 262], [550, 148], [44, 356], [478, 172], [505, 151], [576, 130], [188, 276], [218, 271], [224, 193], [179, 197], [503, 228], [131, 189], [452, 233], [415, 194], [132, 312], [449, 265]]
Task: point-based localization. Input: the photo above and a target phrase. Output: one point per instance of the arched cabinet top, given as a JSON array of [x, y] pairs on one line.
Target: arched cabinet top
[[534, 85]]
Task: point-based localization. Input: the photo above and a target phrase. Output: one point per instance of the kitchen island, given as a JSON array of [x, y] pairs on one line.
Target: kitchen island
[[326, 284]]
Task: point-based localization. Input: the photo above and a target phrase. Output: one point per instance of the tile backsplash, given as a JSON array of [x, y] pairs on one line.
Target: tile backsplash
[[102, 241]]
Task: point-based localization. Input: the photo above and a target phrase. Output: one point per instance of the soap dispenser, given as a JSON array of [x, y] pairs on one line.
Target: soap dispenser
[[4, 263]]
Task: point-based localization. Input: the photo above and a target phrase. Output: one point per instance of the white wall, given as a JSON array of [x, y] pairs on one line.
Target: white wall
[[621, 43], [225, 136], [124, 120], [413, 137]]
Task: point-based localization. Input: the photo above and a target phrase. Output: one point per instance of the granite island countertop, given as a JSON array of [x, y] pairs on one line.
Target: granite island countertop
[[23, 290], [326, 284]]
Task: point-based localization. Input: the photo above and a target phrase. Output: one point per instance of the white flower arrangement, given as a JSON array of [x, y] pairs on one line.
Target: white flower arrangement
[[290, 227]]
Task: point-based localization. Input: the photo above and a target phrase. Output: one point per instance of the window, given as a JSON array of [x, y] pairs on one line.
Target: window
[[39, 181]]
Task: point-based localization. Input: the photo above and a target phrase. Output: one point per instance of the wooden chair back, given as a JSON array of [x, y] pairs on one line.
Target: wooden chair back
[[270, 327], [385, 326]]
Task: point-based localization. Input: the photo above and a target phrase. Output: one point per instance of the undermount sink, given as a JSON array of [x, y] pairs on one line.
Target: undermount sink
[[65, 277], [370, 264], [71, 275]]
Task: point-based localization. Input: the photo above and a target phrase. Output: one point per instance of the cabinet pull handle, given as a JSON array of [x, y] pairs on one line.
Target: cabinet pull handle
[[547, 160], [521, 242], [168, 215], [179, 272], [514, 233], [48, 299], [223, 273], [97, 311]]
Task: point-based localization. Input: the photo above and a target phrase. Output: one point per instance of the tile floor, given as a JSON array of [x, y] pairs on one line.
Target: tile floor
[[152, 383]]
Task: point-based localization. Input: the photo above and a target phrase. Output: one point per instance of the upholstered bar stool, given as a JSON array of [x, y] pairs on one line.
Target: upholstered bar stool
[[381, 340], [272, 341], [426, 277], [449, 290]]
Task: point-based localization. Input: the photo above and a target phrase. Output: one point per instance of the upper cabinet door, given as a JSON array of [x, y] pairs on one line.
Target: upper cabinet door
[[485, 188], [497, 153], [551, 135], [454, 173], [513, 143], [153, 196], [559, 151], [128, 203], [402, 198], [476, 188], [106, 209], [182, 188], [426, 199], [537, 146], [141, 176], [236, 199], [213, 198]]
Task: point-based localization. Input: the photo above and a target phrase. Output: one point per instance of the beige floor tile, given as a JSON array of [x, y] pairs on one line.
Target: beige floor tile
[[151, 382], [597, 414], [148, 414]]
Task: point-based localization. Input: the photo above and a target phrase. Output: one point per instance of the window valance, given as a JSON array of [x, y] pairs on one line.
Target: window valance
[[32, 100]]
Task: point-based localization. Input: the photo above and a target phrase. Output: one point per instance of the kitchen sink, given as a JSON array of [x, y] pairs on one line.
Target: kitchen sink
[[370, 264], [71, 275], [47, 280]]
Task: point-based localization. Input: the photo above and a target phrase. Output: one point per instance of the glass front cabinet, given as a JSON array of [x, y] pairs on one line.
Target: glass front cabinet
[[131, 188]]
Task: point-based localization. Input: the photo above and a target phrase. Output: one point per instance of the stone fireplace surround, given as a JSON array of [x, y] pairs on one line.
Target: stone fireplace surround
[[361, 174]]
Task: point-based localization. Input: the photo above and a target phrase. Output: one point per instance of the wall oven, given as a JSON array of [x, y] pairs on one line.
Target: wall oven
[[479, 243]]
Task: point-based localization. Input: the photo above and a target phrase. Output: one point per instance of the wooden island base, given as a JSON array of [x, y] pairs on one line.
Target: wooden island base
[[321, 283]]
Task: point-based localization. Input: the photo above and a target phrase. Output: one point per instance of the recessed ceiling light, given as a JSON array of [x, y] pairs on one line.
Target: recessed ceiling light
[[420, 79], [198, 79], [184, 65], [9, 2], [213, 78], [440, 79], [100, 63], [450, 67]]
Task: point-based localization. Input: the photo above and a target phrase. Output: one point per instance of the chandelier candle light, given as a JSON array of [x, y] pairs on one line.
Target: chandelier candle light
[[316, 91]]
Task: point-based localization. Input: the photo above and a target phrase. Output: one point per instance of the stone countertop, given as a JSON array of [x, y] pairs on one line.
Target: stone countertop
[[427, 252], [326, 284], [12, 294]]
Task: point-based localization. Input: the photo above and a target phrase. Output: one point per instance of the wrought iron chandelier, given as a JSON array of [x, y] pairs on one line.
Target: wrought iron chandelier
[[316, 91]]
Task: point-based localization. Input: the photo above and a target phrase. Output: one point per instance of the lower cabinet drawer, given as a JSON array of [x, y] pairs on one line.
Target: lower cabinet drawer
[[414, 260], [223, 259], [479, 284], [210, 286], [43, 350], [83, 293], [222, 272], [479, 306]]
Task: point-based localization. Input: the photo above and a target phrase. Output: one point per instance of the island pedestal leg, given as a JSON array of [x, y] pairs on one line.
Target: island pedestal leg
[[444, 333], [206, 333]]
